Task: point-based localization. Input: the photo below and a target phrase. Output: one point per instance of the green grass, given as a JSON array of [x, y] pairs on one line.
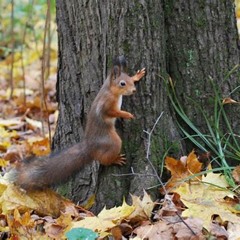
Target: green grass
[[218, 137]]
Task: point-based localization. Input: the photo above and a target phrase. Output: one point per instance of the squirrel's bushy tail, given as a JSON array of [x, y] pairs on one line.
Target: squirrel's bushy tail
[[47, 171]]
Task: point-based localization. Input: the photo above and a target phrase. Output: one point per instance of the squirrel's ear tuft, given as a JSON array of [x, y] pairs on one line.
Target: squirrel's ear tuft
[[121, 61], [119, 65], [116, 71]]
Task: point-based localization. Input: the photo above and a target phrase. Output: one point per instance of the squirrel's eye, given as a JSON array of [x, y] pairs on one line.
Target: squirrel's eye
[[122, 83]]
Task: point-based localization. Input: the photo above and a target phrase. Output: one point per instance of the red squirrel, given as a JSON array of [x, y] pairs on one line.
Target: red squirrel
[[101, 141]]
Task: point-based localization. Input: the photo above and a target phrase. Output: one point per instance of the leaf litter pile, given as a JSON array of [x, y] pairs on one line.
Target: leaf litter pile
[[195, 204]]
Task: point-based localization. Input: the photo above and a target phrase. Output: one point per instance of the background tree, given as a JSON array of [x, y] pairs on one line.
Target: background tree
[[189, 41]]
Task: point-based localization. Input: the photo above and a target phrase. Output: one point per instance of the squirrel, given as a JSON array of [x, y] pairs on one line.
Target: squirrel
[[101, 141]]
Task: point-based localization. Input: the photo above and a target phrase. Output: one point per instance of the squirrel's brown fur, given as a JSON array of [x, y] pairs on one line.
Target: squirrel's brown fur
[[101, 141]]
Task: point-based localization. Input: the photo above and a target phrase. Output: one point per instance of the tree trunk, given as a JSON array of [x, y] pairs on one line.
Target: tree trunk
[[166, 37], [202, 47]]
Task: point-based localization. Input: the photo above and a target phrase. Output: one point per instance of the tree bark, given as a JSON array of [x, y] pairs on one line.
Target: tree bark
[[188, 40], [202, 43]]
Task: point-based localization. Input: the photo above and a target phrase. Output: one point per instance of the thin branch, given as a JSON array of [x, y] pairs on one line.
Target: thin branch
[[43, 71], [149, 149], [22, 50], [13, 50], [183, 221], [155, 171]]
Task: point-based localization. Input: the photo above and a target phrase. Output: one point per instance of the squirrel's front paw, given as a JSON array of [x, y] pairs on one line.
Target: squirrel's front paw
[[130, 116], [139, 75]]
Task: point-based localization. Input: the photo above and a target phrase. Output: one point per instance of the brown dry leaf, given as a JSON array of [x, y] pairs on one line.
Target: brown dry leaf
[[160, 230], [236, 174], [218, 231], [228, 101], [41, 148], [116, 233], [54, 231], [182, 169], [169, 209], [233, 204], [49, 202], [57, 228], [70, 209], [24, 219], [193, 231], [18, 152]]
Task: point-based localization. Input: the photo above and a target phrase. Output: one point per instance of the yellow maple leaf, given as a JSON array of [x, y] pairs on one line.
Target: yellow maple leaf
[[143, 208], [45, 202], [205, 200], [215, 179], [94, 223], [3, 162], [106, 219], [117, 213], [13, 198]]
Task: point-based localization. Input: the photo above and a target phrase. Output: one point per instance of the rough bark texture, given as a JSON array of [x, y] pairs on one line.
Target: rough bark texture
[[202, 45], [189, 39], [91, 33]]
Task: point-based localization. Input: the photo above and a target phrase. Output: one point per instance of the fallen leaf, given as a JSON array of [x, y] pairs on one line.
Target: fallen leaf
[[143, 208], [3, 162], [10, 122], [94, 223], [13, 198], [215, 179], [34, 123], [182, 169], [106, 219], [160, 230], [236, 174], [41, 148], [116, 214], [45, 202], [218, 231], [233, 230], [191, 228], [228, 101], [90, 202], [204, 200]]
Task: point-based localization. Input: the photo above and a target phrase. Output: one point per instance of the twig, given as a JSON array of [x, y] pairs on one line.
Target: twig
[[149, 148], [186, 224], [43, 102], [13, 50], [155, 171]]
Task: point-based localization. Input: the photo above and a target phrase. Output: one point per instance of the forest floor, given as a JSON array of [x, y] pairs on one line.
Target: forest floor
[[197, 202]]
